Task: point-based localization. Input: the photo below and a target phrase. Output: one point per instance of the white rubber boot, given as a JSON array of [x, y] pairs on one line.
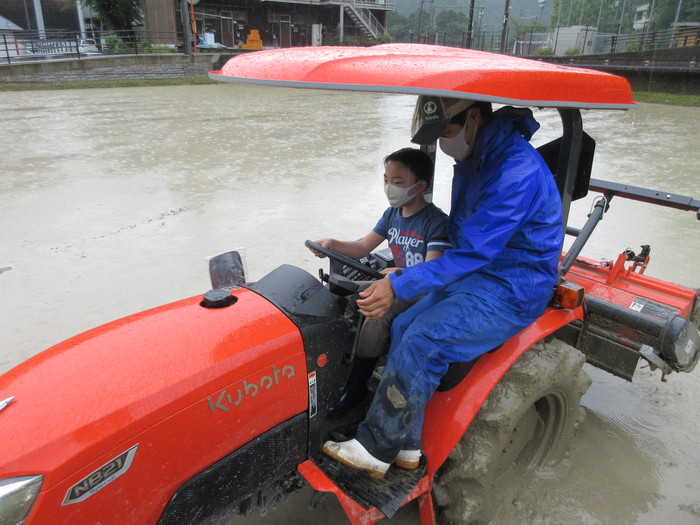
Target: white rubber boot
[[408, 459], [353, 454]]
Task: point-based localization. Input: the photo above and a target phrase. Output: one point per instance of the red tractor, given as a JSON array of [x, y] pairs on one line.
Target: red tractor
[[216, 405]]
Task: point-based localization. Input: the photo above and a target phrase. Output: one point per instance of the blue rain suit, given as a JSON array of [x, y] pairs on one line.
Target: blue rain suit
[[505, 226]]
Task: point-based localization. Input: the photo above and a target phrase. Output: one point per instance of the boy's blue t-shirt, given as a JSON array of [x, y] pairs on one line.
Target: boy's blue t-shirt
[[410, 238]]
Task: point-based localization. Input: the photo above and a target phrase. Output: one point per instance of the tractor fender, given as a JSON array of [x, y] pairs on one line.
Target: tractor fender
[[449, 414]]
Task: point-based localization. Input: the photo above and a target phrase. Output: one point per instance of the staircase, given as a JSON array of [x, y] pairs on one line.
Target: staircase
[[364, 19], [359, 11]]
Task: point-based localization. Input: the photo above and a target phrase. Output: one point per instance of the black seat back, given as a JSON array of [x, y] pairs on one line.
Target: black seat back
[[457, 371]]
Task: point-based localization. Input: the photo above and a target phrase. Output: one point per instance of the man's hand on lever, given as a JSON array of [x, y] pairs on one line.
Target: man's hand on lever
[[377, 299]]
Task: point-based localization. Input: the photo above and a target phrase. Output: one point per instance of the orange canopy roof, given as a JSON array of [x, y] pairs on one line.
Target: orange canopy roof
[[431, 70]]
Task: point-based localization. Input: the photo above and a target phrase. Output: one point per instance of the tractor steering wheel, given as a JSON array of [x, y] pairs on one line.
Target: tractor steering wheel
[[347, 261]]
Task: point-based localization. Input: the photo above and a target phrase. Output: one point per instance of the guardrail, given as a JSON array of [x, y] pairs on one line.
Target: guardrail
[[670, 38], [23, 46], [586, 41]]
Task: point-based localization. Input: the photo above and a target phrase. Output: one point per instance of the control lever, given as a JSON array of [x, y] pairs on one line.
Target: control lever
[[343, 286]]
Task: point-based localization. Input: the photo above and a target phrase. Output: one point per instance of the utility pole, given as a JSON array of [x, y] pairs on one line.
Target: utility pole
[[39, 19], [558, 12], [470, 27], [622, 13], [678, 13], [26, 16], [81, 20], [186, 29], [651, 15], [504, 33], [420, 21], [600, 13]]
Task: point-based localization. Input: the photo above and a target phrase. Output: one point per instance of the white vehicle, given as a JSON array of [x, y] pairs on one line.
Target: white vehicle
[[87, 45]]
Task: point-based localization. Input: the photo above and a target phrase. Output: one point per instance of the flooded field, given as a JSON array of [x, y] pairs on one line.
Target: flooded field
[[112, 199]]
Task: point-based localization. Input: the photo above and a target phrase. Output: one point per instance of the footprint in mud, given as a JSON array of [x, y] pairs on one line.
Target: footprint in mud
[[693, 510]]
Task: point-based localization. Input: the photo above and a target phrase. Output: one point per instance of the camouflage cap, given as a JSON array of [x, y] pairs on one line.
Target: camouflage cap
[[432, 116]]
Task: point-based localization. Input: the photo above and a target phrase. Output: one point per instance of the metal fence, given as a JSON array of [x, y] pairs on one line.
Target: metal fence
[[641, 41], [579, 40], [23, 46]]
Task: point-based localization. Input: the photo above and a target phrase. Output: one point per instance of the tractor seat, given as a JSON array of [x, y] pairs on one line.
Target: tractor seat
[[457, 371]]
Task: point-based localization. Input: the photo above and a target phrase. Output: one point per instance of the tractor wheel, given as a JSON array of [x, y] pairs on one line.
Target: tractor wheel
[[526, 422]]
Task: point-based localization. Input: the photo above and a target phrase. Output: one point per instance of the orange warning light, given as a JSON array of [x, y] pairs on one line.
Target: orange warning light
[[569, 296]]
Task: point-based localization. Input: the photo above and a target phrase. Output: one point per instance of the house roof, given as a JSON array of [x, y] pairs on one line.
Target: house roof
[[6, 25]]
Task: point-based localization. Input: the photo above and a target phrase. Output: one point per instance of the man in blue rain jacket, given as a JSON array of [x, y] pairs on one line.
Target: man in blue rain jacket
[[506, 228]]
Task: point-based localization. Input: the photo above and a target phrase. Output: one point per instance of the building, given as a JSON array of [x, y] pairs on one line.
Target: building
[[579, 38], [9, 47], [641, 17], [53, 16], [222, 23], [229, 23]]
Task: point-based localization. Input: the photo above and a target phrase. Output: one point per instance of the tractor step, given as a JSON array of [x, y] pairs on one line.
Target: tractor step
[[387, 494]]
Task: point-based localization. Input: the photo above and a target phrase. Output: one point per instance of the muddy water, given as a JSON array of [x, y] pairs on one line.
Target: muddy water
[[112, 199]]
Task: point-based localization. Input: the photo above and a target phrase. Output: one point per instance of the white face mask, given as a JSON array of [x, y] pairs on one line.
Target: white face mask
[[398, 196], [456, 147]]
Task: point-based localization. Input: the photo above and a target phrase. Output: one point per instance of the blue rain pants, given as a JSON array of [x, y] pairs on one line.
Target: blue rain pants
[[427, 337]]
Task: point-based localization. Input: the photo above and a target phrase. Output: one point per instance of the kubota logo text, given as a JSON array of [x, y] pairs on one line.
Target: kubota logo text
[[226, 400]]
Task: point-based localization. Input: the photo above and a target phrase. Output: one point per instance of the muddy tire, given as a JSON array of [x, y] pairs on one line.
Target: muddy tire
[[526, 422]]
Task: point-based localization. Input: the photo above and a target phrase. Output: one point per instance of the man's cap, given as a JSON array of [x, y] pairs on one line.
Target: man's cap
[[432, 116]]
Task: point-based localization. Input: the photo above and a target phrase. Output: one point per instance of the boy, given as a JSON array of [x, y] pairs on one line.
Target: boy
[[416, 231]]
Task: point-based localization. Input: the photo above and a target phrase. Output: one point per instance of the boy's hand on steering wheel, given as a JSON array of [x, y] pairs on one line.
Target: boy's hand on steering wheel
[[326, 243], [377, 299]]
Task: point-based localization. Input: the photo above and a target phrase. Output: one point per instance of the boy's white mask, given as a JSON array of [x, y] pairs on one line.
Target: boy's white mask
[[398, 196]]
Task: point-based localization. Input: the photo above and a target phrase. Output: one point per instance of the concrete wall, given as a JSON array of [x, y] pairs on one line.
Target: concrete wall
[[675, 70], [110, 68], [678, 58]]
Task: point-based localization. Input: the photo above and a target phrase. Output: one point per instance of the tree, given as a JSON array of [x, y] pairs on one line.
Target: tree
[[520, 29], [665, 12], [412, 28], [120, 15], [451, 22], [586, 12], [399, 27]]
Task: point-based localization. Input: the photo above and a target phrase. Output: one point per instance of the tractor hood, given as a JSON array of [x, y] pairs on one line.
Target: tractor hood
[[135, 386]]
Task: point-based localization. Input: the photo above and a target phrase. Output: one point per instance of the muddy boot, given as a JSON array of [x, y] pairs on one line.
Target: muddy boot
[[408, 459], [353, 454], [355, 389]]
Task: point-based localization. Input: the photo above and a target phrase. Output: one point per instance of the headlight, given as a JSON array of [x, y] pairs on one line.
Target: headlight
[[17, 497]]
